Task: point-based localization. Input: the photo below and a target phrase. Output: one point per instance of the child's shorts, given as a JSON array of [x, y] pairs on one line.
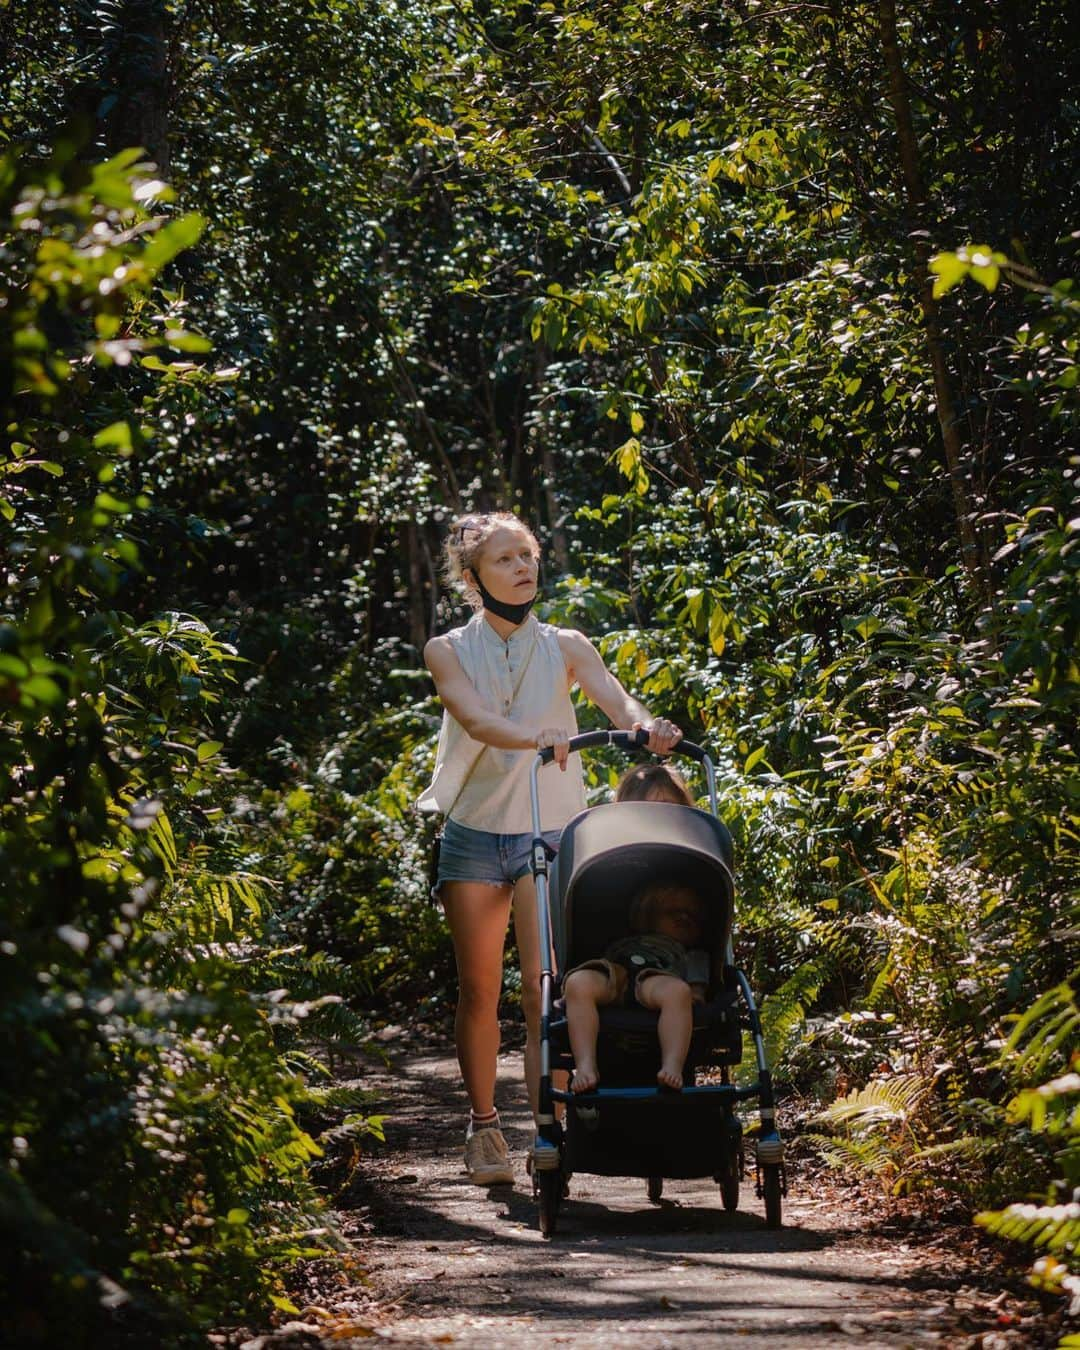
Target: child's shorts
[[622, 980]]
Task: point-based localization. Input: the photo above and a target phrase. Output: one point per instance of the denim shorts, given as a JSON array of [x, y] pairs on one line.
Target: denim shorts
[[479, 855]]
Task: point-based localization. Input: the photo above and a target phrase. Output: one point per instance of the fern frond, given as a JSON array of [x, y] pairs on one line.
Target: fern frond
[[970, 1148], [783, 1013], [885, 1101], [1055, 1227], [340, 1096], [1049, 1025], [866, 1154], [1049, 1107], [883, 981], [355, 1127]]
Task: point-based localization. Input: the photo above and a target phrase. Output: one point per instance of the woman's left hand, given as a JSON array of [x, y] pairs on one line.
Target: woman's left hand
[[664, 736]]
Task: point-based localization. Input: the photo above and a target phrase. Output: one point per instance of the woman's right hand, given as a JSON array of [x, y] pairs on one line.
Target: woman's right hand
[[558, 740]]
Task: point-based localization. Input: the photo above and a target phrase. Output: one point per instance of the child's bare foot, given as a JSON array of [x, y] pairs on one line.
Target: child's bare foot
[[670, 1078], [585, 1078]]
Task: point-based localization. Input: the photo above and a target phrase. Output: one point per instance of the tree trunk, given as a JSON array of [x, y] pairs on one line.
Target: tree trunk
[[918, 218], [540, 449], [125, 97], [418, 632]]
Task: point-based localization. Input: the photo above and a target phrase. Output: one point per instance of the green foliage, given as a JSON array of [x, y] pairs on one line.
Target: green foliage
[[145, 1049], [1043, 1039], [652, 275]]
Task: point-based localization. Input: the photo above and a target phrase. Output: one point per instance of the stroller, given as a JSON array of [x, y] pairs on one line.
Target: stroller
[[606, 855]]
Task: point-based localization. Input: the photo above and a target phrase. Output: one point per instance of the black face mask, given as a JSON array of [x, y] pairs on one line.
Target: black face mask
[[511, 613]]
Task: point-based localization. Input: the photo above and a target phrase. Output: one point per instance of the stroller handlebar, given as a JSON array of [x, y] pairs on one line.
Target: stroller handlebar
[[623, 740]]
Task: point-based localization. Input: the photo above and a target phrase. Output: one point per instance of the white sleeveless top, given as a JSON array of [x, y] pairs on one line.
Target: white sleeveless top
[[523, 679]]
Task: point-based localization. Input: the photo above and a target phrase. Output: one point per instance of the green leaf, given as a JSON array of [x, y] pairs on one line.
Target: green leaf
[[116, 436], [717, 623], [172, 239], [13, 666], [187, 342], [208, 749], [950, 270], [42, 690]]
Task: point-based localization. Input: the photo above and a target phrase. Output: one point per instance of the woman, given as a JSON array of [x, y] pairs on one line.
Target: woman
[[504, 680]]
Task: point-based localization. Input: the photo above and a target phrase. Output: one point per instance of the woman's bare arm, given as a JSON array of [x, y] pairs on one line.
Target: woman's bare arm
[[459, 697], [602, 688]]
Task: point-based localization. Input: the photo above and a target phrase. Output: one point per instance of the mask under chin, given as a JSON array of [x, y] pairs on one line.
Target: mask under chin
[[502, 610]]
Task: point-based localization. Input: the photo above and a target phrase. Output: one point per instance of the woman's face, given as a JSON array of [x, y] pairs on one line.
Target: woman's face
[[508, 565]]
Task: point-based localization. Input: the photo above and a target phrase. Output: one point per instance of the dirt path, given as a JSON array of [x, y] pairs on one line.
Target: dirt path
[[449, 1263]]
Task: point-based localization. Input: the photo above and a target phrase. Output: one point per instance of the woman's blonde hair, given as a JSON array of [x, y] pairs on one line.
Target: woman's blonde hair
[[465, 543]]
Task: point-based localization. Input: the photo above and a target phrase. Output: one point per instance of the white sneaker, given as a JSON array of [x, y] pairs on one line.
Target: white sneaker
[[487, 1158]]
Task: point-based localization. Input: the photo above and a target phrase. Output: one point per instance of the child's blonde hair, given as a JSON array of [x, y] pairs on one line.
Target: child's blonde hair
[[465, 543]]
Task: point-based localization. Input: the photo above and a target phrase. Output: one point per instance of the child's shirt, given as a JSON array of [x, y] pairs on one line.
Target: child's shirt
[[653, 951]]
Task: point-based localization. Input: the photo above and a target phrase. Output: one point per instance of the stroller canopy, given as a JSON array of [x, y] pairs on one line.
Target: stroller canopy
[[609, 853]]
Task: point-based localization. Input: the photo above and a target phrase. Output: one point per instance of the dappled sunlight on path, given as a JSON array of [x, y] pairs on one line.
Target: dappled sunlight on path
[[458, 1264]]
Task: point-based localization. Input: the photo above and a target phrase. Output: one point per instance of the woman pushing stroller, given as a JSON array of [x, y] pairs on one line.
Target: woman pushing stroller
[[504, 680]]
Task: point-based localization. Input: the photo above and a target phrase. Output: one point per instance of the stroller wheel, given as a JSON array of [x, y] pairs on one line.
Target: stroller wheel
[[772, 1189], [549, 1191], [729, 1188], [656, 1189]]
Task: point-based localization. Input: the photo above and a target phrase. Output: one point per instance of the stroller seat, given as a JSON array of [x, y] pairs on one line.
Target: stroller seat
[[628, 1048]]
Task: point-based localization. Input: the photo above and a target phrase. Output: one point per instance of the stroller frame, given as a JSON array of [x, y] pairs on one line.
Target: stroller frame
[[550, 1173]]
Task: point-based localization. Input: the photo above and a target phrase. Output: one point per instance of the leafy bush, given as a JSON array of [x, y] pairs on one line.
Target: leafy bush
[[148, 1115]]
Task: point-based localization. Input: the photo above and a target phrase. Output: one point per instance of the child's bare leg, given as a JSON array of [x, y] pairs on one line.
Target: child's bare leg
[[672, 998], [585, 991]]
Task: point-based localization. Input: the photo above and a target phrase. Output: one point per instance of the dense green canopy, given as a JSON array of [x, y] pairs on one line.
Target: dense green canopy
[[763, 316]]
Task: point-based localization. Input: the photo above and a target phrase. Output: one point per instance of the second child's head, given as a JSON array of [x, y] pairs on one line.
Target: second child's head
[[653, 783], [672, 910]]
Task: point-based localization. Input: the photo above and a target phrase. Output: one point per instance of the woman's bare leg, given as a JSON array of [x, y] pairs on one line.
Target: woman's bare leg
[[477, 913], [527, 937], [585, 991], [673, 999]]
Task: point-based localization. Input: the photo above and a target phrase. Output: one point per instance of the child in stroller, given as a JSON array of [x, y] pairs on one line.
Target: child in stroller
[[660, 966], [627, 1125]]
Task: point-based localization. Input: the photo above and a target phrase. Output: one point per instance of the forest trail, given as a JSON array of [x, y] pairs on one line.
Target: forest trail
[[450, 1263]]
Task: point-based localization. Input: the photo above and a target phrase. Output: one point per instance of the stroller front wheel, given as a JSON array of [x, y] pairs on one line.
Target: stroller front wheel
[[772, 1189], [729, 1187], [549, 1191]]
